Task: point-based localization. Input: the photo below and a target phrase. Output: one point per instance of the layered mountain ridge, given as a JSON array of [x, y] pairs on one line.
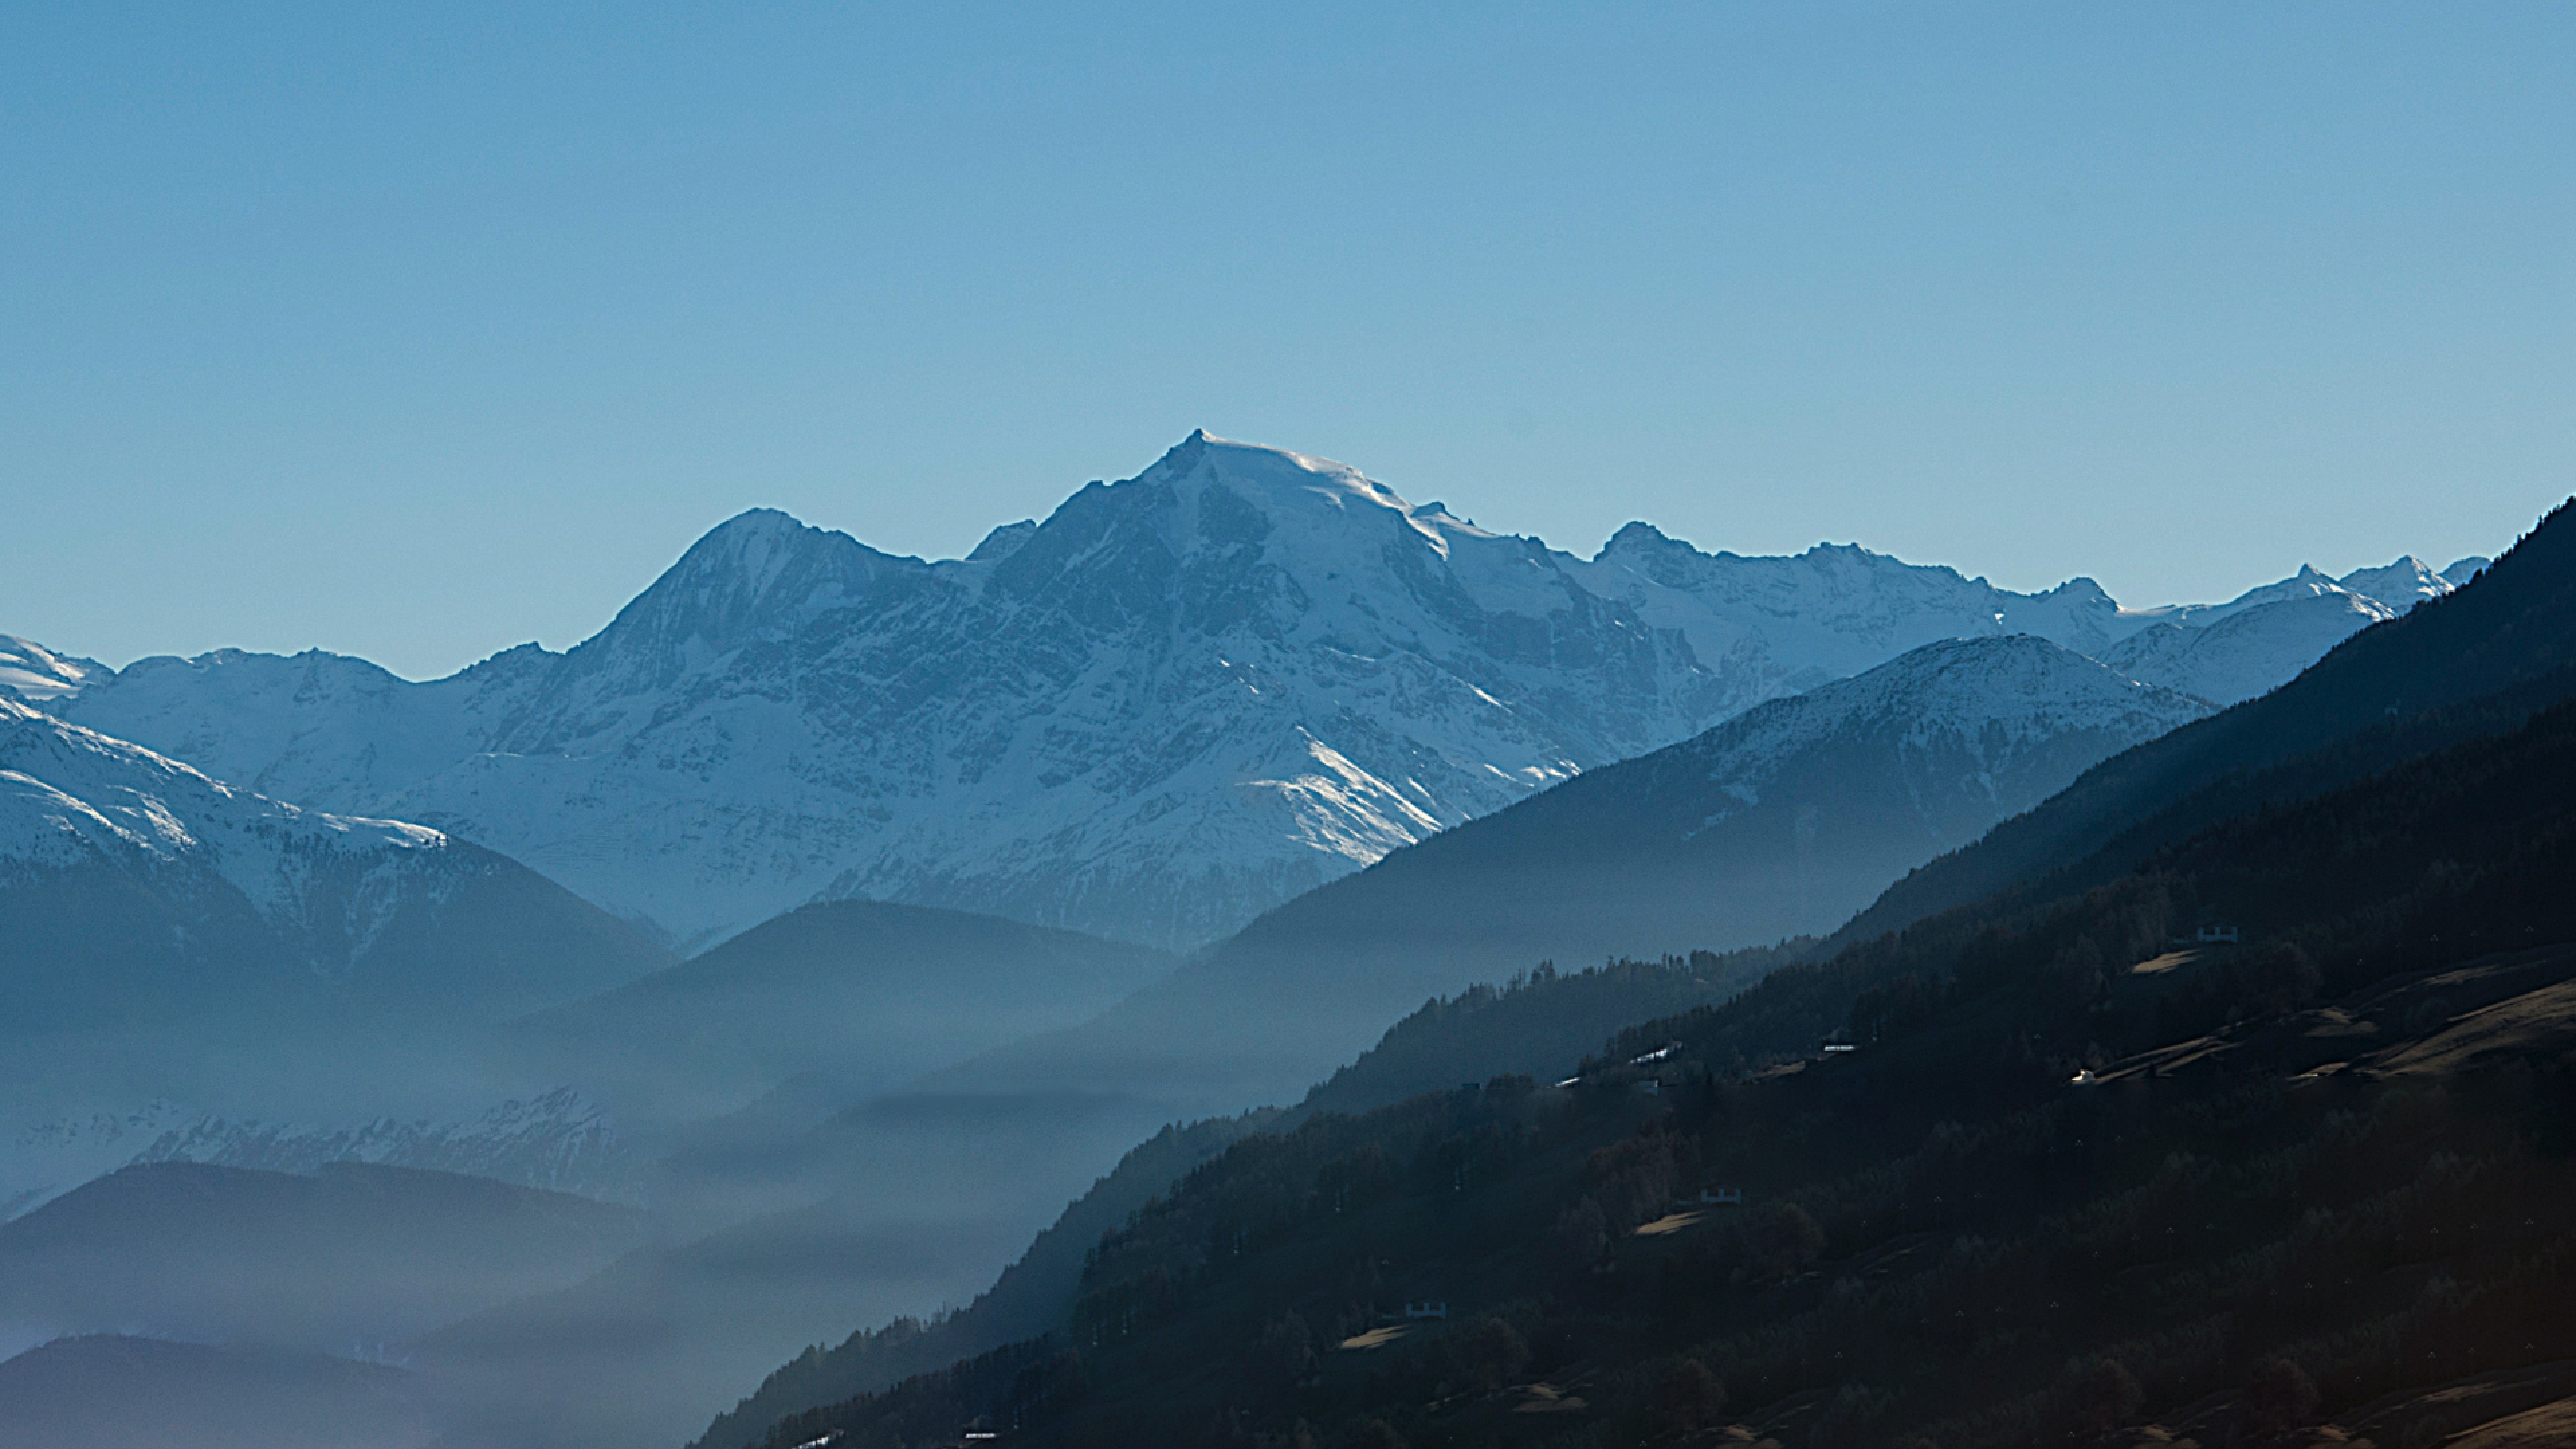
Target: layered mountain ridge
[[1180, 700], [559, 1141], [1778, 823], [2393, 877]]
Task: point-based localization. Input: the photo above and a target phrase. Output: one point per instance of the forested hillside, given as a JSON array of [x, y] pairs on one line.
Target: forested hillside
[[2070, 1180], [1543, 1023], [1540, 1023]]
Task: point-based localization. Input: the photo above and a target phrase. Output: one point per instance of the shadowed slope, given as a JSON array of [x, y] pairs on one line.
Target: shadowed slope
[[104, 1391], [862, 994], [356, 1251], [2515, 624], [1773, 824]]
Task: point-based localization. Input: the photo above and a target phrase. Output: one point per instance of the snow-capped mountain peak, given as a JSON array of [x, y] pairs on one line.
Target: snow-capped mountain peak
[[2308, 582], [2400, 585], [1179, 699], [759, 573]]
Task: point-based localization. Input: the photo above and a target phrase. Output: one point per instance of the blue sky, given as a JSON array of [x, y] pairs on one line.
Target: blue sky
[[421, 332]]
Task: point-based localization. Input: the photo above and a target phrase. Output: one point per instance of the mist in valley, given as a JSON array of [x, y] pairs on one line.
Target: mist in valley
[[1441, 728]]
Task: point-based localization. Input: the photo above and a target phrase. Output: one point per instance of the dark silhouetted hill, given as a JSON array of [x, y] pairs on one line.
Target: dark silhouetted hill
[[104, 1391], [2508, 637], [353, 1252], [862, 994]]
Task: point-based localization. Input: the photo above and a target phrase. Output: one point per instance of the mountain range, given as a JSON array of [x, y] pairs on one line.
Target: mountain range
[[557, 1140], [1177, 702], [1784, 819], [2050, 1158], [2505, 648], [1350, 750], [1778, 823]]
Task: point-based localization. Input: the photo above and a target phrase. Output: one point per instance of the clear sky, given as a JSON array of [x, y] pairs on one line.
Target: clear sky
[[418, 331]]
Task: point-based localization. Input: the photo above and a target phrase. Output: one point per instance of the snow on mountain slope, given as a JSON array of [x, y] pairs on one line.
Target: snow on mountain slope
[[69, 796], [311, 725], [43, 1161], [2400, 585], [1780, 822], [2248, 652], [134, 887], [2458, 574], [558, 1141], [1781, 625], [38, 675], [1179, 700], [2307, 583]]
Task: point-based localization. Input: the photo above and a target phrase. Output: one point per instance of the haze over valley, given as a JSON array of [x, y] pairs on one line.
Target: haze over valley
[[1323, 727], [831, 919]]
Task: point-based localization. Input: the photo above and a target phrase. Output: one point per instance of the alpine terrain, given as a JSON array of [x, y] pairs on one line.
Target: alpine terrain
[[1179, 701], [134, 889], [1780, 822], [2237, 1115]]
